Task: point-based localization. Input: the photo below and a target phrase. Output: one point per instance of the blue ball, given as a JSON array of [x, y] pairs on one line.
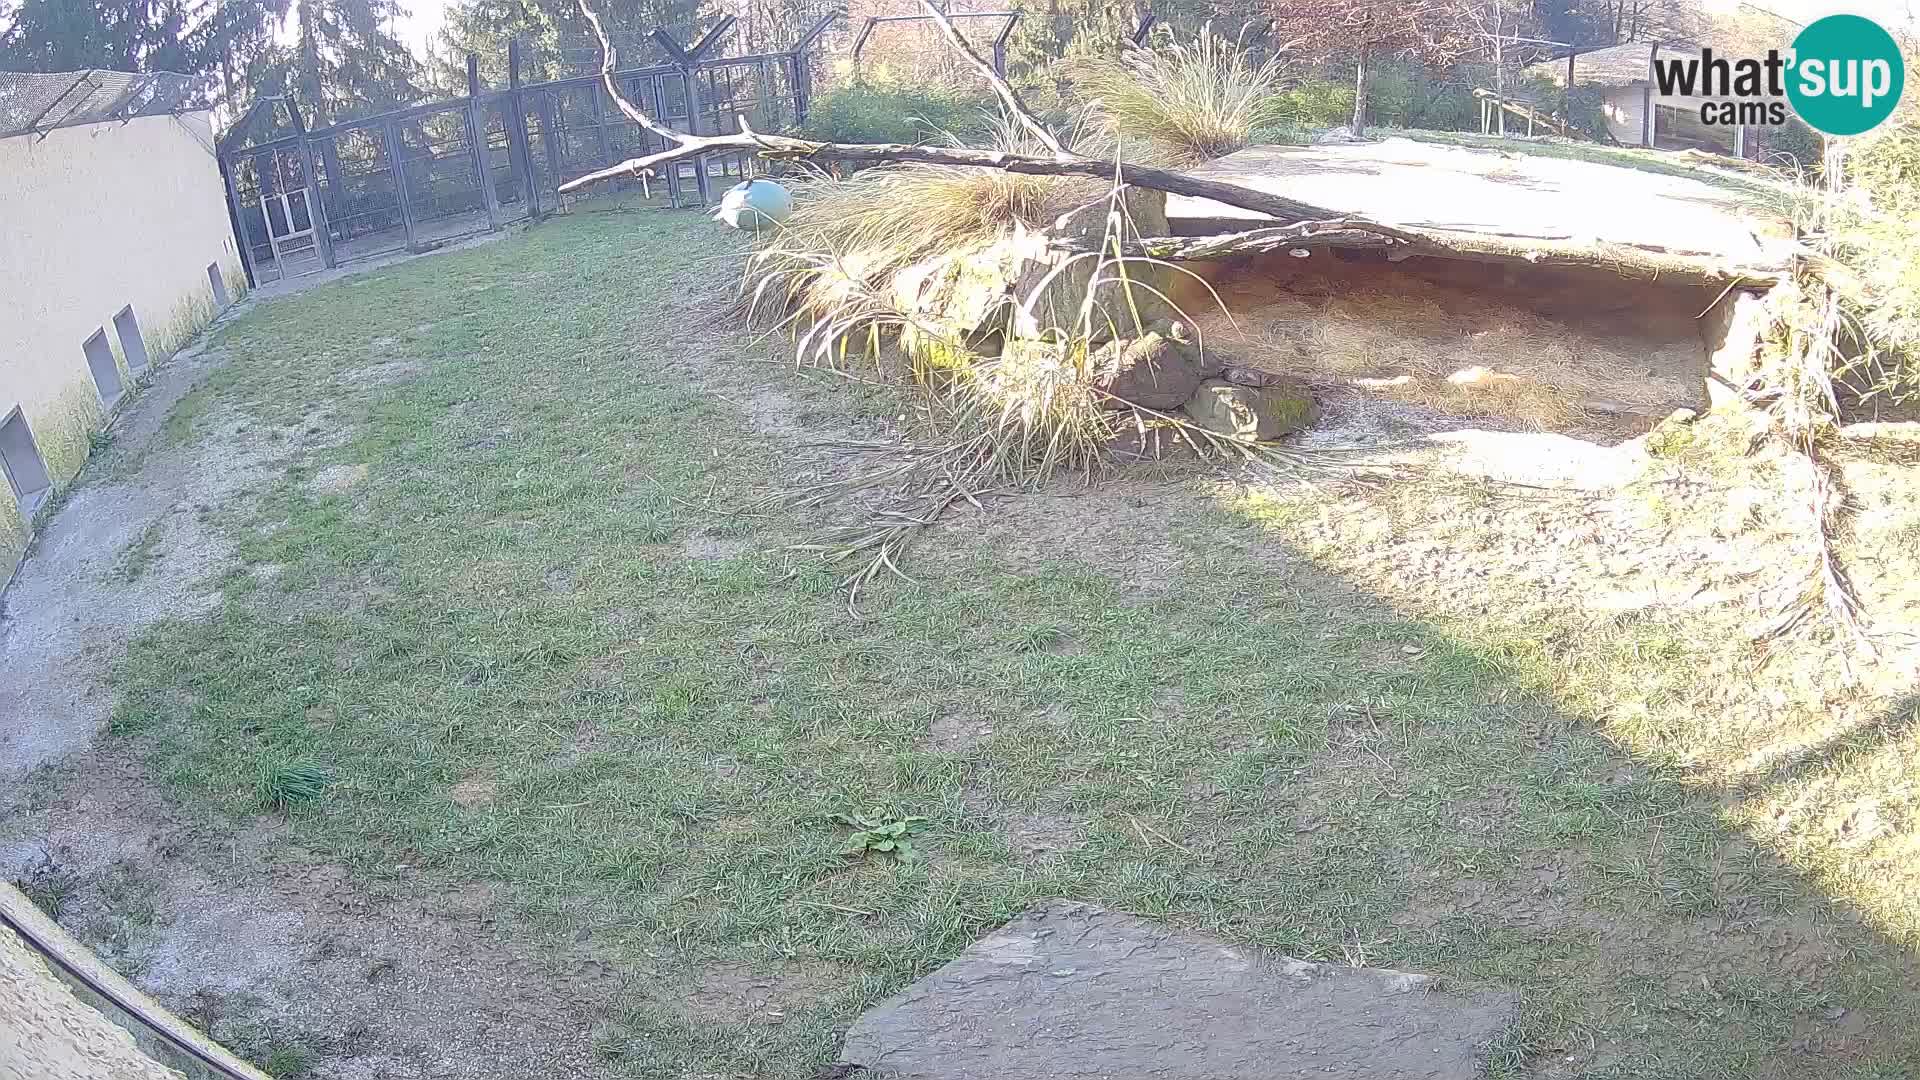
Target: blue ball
[[754, 205]]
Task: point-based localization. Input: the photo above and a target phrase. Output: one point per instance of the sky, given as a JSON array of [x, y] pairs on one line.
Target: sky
[[421, 24]]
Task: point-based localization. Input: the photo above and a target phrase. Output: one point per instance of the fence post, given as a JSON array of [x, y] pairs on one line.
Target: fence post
[[477, 142], [516, 119], [600, 124], [691, 75], [236, 213], [543, 105], [802, 79], [1000, 43], [316, 213], [390, 132]]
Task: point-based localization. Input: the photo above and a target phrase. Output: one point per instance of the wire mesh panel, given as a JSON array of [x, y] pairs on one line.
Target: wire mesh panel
[[443, 190], [248, 176], [413, 178], [358, 191], [505, 174], [729, 90], [32, 102], [541, 150]]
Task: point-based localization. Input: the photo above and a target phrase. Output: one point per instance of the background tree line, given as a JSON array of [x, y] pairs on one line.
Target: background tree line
[[341, 58]]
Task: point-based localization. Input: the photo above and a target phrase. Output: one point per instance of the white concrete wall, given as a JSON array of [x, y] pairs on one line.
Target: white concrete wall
[[1625, 106], [92, 219]]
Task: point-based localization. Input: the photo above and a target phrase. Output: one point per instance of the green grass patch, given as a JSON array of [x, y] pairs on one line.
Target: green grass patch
[[515, 668]]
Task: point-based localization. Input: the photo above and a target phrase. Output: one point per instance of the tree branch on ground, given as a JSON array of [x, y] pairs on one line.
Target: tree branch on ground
[[1635, 261], [1311, 225], [682, 146]]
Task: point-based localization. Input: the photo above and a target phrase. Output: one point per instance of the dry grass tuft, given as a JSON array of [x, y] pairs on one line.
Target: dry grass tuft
[[1194, 102], [849, 236]]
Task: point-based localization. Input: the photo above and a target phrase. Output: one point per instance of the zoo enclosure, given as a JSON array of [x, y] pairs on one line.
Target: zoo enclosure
[[416, 178]]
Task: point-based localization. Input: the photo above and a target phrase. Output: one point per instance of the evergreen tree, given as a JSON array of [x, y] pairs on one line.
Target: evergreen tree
[[185, 36], [555, 40], [342, 61]]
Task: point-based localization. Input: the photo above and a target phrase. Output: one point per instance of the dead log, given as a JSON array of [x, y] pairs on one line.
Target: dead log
[[788, 148], [1300, 224], [1639, 262]]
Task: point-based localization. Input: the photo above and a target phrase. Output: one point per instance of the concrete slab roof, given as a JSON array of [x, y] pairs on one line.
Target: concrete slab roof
[[1400, 181]]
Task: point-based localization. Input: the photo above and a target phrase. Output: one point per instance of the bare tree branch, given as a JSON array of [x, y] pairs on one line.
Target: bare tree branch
[[1061, 163], [632, 111], [1001, 88], [786, 147], [1634, 261]]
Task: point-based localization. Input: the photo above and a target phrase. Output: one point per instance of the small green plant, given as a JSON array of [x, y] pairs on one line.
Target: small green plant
[[284, 785], [863, 112], [288, 1061], [49, 884], [877, 833], [139, 554]]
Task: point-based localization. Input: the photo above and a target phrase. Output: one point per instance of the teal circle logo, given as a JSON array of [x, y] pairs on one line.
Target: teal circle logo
[[1847, 75]]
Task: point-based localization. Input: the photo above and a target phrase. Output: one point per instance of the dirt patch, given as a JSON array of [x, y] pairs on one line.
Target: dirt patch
[[1039, 837], [1544, 351], [701, 546], [337, 479], [229, 929], [952, 734], [68, 613], [384, 373], [740, 994], [473, 792]]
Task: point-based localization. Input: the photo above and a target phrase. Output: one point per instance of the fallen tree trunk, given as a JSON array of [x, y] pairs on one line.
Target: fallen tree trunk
[[1640, 262], [788, 148], [1301, 224], [1061, 162]]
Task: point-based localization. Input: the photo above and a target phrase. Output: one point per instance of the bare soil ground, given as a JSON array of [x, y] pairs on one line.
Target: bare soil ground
[[583, 732], [1580, 354]]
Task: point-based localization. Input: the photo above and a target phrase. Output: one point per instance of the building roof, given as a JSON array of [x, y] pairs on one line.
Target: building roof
[[1616, 65], [32, 102]]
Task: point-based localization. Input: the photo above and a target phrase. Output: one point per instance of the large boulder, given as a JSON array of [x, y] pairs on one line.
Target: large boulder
[[1154, 371], [1074, 992], [1251, 412], [1053, 288]]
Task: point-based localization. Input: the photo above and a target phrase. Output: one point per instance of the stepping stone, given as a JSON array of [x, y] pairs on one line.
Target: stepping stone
[[1072, 990]]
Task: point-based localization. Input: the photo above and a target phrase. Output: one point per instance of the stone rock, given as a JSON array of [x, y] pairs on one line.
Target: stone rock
[[1153, 371], [1903, 431], [1341, 134], [1251, 412], [1074, 992], [1241, 375], [1054, 284], [1732, 330]]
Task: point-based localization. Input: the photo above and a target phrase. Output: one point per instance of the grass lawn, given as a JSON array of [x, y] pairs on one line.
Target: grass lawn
[[507, 630]]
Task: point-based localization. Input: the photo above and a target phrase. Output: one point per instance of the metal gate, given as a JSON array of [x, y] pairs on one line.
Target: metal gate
[[416, 178]]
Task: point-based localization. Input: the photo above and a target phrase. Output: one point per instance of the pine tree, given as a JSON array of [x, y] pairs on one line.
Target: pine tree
[[185, 36], [555, 40], [343, 61]]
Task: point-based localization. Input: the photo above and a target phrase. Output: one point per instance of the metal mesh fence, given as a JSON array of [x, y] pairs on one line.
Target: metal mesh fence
[[31, 103]]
